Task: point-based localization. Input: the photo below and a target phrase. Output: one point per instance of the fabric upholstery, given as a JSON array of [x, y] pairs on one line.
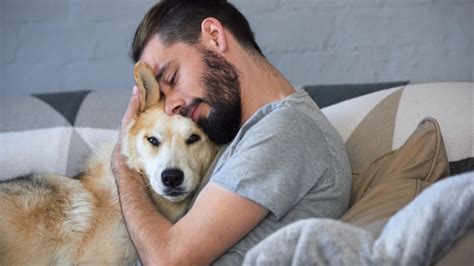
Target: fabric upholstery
[[55, 132], [394, 179], [377, 123], [326, 95], [73, 123]]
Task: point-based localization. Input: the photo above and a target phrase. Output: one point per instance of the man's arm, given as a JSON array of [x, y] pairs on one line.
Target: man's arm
[[217, 220]]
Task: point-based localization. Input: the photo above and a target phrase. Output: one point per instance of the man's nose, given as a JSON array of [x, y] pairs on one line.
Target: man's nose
[[173, 105]]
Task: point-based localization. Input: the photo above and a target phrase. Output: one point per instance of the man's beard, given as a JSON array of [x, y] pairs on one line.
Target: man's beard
[[222, 93]]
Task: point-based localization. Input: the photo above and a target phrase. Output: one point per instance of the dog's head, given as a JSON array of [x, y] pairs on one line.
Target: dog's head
[[171, 152]]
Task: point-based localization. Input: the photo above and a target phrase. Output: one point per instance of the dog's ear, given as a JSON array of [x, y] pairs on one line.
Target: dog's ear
[[147, 84]]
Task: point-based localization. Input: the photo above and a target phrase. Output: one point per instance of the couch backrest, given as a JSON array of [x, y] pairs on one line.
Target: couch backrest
[[379, 122]]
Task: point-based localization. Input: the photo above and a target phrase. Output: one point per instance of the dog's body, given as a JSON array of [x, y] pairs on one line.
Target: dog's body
[[51, 219], [57, 220]]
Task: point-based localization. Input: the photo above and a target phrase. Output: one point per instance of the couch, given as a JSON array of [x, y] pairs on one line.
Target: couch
[[54, 132]]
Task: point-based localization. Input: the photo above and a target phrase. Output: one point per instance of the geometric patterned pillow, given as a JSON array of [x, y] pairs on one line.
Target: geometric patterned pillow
[[55, 132]]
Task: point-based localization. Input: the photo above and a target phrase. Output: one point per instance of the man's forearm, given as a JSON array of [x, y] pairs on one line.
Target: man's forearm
[[148, 229]]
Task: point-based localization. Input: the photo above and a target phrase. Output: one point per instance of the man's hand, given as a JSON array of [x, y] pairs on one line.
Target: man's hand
[[119, 166]]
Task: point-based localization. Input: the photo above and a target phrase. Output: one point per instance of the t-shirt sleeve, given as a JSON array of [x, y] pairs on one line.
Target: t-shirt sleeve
[[276, 162]]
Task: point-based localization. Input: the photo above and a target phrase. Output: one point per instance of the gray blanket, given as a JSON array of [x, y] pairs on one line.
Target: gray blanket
[[419, 234]]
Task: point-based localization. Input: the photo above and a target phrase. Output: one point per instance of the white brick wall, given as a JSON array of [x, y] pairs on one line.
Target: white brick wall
[[54, 45]]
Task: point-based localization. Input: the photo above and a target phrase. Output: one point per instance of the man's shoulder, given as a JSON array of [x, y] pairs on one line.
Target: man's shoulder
[[284, 128], [287, 117], [293, 123]]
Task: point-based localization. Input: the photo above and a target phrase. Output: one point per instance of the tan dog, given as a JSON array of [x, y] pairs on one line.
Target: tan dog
[[50, 219]]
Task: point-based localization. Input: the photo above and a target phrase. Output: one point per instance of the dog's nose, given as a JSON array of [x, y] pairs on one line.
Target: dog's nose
[[172, 177]]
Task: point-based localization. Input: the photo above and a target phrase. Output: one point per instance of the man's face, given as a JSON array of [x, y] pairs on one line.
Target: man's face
[[199, 84]]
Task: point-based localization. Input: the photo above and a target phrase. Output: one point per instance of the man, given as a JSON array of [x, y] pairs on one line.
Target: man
[[285, 161]]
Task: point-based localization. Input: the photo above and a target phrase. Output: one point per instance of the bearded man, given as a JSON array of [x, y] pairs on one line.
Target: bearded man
[[285, 161]]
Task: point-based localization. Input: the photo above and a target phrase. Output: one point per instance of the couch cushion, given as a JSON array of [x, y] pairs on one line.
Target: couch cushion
[[326, 95], [378, 123], [55, 132], [73, 122], [394, 179]]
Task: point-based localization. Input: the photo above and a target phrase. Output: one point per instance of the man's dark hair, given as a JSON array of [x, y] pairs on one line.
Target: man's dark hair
[[180, 20]]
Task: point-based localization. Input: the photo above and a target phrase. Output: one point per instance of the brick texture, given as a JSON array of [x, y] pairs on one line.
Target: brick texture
[[59, 45]]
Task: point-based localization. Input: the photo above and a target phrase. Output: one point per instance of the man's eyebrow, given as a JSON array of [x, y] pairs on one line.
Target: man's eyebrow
[[162, 70]]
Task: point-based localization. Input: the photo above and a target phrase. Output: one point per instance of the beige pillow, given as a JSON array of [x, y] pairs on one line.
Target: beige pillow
[[394, 179]]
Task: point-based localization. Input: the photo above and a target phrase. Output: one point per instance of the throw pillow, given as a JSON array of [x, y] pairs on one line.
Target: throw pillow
[[394, 179]]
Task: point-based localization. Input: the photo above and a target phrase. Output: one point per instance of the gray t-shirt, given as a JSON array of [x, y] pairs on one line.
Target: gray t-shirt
[[291, 160]]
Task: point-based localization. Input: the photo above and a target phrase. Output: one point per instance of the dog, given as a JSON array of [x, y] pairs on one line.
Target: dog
[[48, 219]]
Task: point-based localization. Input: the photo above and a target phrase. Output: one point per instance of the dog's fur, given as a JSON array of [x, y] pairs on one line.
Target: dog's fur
[[49, 219]]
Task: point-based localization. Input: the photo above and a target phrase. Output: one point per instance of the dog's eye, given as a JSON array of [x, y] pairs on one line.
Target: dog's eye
[[193, 138], [153, 141]]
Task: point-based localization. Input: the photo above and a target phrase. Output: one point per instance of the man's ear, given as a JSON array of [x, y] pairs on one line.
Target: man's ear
[[213, 34], [147, 84]]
